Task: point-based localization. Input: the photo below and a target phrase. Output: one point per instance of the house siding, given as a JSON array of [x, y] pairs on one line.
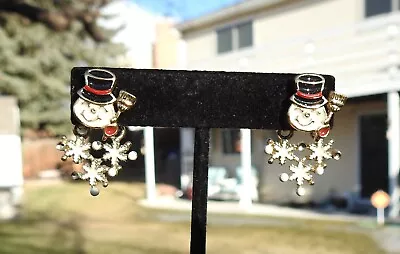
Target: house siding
[[294, 20], [201, 45], [288, 21]]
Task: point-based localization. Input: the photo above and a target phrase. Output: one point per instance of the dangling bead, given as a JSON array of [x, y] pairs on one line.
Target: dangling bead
[[300, 191], [302, 146], [94, 191], [75, 175], [284, 177]]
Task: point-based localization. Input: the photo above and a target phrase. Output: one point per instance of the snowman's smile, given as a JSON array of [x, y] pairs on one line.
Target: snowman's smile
[[90, 116], [304, 123]]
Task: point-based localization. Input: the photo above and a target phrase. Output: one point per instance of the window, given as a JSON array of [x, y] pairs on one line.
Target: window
[[245, 35], [376, 7], [231, 141], [235, 37], [225, 40]]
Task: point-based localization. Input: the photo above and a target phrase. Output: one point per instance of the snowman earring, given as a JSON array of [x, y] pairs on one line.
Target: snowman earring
[[98, 108], [310, 112]]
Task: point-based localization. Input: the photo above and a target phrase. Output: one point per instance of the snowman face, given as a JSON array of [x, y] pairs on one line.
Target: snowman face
[[307, 119], [93, 115]]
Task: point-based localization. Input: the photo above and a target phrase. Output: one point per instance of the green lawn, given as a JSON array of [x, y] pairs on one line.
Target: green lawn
[[64, 218]]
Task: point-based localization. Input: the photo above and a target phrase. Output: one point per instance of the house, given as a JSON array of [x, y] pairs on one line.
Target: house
[[356, 41]]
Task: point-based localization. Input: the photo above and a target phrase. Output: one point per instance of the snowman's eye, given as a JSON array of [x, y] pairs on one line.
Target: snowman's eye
[[93, 111], [305, 112]]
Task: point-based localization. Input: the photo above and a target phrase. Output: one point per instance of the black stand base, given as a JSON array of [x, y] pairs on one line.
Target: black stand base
[[200, 188]]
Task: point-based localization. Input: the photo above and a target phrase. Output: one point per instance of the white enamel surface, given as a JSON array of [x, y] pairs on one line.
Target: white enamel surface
[[300, 172], [301, 191], [284, 177], [320, 170], [96, 145], [94, 172], [115, 152], [112, 172], [306, 119], [269, 149], [78, 149], [132, 155], [320, 151], [283, 151], [93, 115]]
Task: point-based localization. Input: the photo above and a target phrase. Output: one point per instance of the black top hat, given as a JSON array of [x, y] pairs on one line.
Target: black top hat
[[98, 86], [309, 91]]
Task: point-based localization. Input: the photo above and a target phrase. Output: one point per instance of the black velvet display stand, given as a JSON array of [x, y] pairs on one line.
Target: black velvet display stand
[[202, 100]]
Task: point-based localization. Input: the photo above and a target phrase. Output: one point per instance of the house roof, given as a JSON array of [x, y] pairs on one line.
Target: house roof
[[232, 12]]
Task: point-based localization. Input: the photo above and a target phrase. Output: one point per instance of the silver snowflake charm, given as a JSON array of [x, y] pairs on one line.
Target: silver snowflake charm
[[281, 151], [94, 172], [321, 152], [115, 153], [300, 173], [78, 149]]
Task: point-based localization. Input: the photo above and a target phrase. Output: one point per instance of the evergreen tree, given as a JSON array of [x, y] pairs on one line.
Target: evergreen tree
[[40, 41]]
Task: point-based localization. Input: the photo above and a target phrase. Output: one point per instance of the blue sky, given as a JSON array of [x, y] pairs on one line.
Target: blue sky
[[184, 9]]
